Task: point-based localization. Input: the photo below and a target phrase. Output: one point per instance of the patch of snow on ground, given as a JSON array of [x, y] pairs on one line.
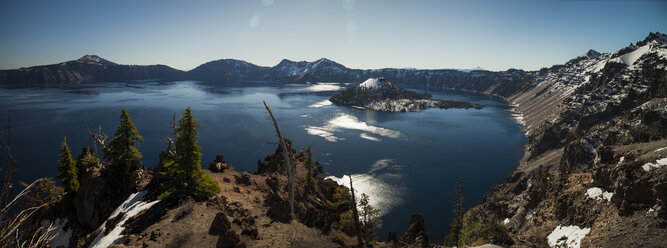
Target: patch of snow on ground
[[661, 149], [596, 193], [650, 210], [320, 104], [506, 221], [368, 137], [131, 207], [662, 161], [60, 237], [658, 164], [345, 121], [568, 236], [530, 213]]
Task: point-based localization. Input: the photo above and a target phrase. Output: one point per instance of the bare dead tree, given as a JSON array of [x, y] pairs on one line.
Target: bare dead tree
[[288, 161], [458, 212], [171, 141], [99, 137], [12, 217], [355, 215]]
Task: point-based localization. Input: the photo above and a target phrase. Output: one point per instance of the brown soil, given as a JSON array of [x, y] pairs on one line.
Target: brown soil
[[188, 225]]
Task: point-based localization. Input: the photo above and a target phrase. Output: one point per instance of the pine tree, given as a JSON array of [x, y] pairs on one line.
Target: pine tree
[[370, 217], [309, 162], [188, 152], [67, 169], [121, 150], [183, 176]]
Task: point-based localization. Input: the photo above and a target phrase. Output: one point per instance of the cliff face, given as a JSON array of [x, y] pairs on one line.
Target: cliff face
[[596, 151]]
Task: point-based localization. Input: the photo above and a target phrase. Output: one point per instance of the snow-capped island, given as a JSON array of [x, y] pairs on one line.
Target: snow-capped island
[[379, 94]]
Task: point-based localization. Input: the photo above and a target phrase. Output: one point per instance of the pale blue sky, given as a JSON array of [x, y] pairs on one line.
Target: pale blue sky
[[495, 35]]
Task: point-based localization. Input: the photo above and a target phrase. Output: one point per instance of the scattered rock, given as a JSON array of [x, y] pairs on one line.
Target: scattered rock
[[278, 207], [218, 165], [244, 179]]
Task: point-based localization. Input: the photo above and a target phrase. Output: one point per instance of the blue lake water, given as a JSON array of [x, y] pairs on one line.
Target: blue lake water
[[407, 162]]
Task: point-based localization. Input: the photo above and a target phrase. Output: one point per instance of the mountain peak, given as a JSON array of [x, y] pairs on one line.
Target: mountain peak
[[657, 36], [95, 60], [375, 83], [592, 54]]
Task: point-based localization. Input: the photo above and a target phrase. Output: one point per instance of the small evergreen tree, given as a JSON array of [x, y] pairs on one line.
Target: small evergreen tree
[[309, 162], [454, 236], [183, 175], [121, 150], [67, 169], [341, 202], [370, 218]]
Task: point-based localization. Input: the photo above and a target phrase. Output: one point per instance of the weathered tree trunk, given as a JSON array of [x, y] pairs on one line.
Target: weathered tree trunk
[[355, 215], [459, 214], [288, 161]]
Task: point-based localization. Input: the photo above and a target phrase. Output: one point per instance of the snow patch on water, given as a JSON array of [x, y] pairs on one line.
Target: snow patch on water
[[349, 122], [320, 104], [318, 87], [368, 137]]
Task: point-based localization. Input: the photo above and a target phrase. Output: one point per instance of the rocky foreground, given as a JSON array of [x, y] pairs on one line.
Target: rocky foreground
[[252, 210]]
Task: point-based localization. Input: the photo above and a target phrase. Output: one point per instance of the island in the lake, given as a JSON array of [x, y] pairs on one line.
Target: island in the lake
[[379, 94]]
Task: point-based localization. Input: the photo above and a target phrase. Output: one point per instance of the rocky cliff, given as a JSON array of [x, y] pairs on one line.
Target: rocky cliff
[[593, 171]]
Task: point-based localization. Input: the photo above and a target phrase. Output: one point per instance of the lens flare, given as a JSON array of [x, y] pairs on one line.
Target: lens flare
[[254, 21], [348, 4]]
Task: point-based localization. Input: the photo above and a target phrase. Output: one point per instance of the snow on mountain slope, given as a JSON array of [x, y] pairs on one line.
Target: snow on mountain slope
[[568, 86], [371, 83], [631, 57]]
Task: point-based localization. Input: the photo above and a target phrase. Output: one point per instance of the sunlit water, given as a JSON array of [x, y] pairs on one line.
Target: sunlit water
[[407, 162]]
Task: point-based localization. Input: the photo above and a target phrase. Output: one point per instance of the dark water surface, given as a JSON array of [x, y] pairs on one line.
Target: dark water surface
[[407, 162]]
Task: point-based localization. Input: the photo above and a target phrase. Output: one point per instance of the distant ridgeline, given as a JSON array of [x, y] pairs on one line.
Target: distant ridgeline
[[91, 68]]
